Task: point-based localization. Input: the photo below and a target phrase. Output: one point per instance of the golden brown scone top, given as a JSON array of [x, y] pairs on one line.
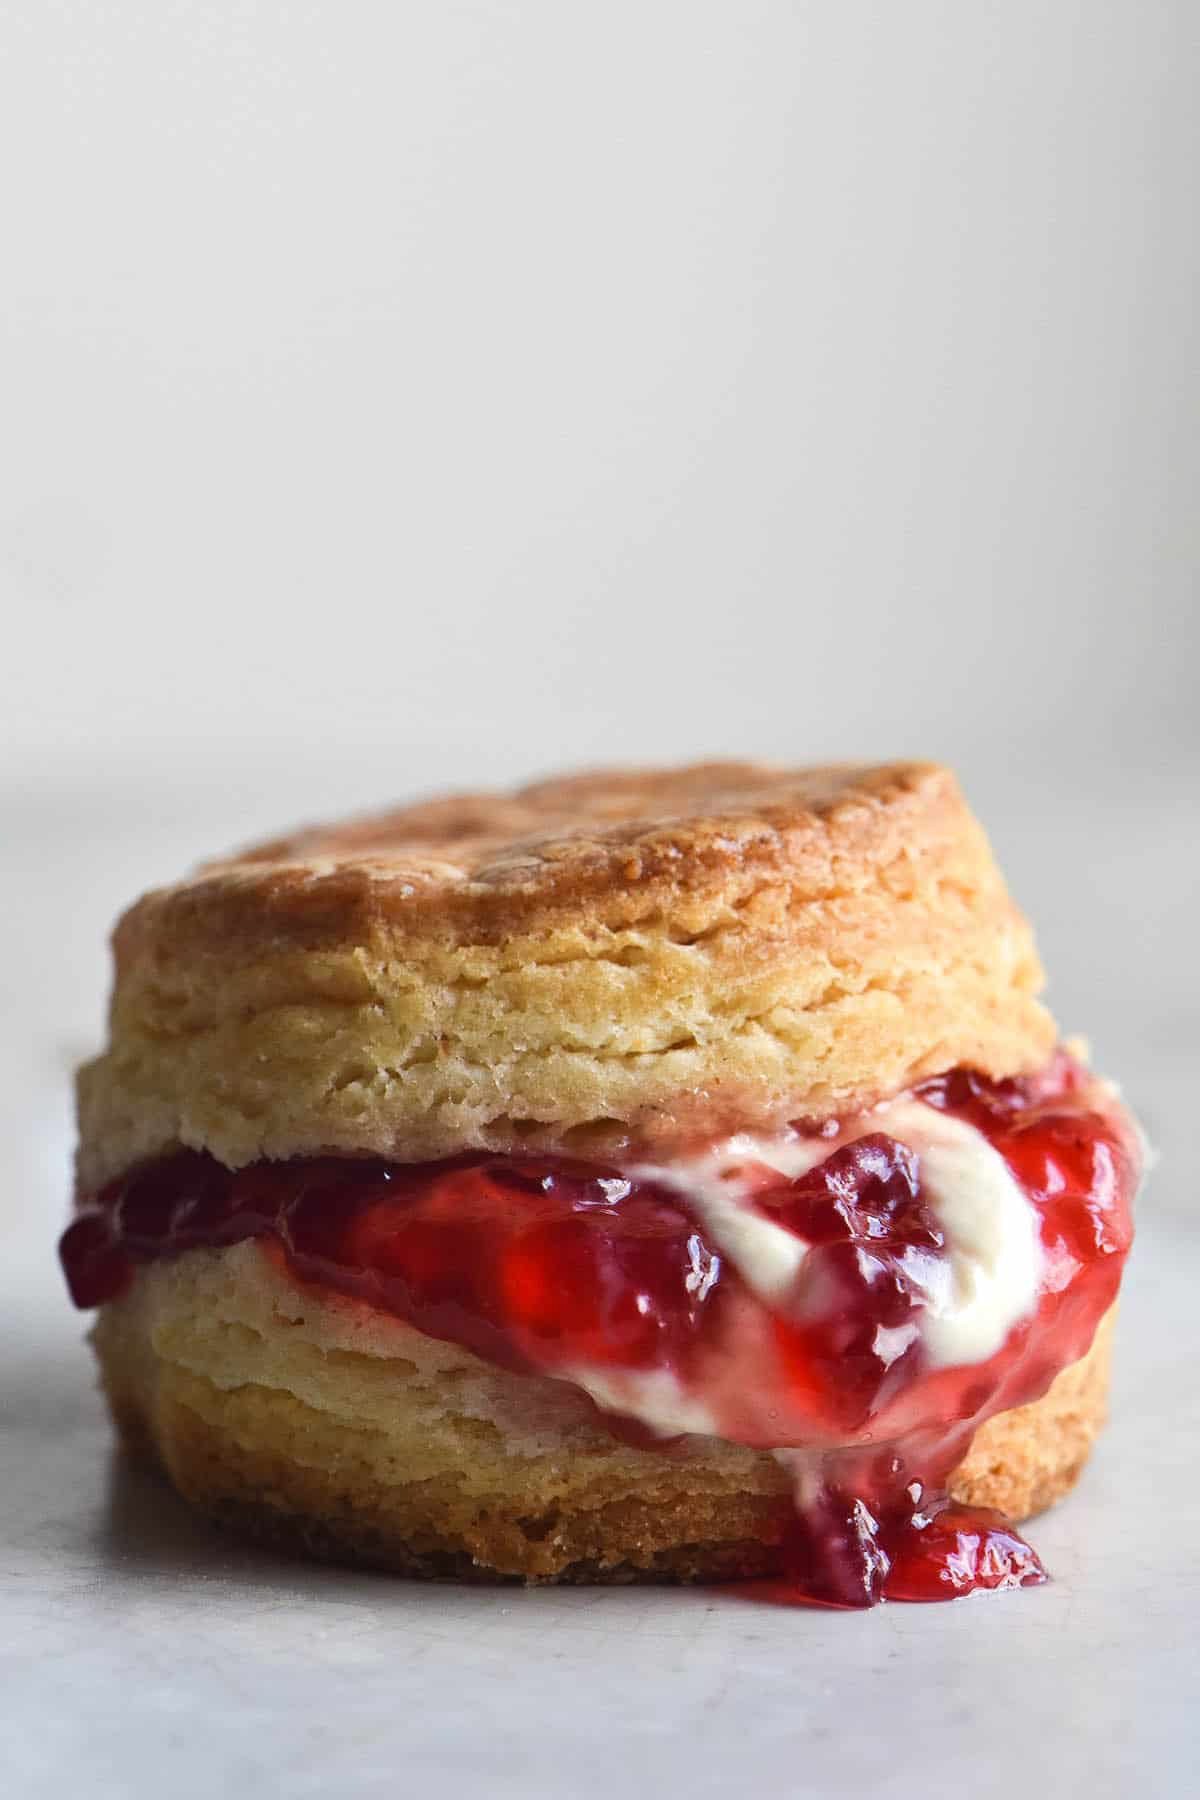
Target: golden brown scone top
[[610, 846], [654, 952]]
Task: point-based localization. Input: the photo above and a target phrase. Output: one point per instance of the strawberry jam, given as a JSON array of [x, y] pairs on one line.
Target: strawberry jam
[[628, 1284]]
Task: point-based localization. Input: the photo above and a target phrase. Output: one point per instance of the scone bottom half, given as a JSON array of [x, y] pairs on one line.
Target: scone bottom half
[[654, 1175]]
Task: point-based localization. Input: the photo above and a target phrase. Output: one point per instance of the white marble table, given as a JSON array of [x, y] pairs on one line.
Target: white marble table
[[142, 1654]]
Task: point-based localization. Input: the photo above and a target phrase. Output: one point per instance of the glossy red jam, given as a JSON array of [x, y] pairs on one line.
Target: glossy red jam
[[549, 1266]]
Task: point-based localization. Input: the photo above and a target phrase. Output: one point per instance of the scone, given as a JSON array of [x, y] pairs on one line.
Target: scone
[[669, 1174]]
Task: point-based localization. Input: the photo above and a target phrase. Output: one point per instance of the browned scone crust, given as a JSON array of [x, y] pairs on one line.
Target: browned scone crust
[[407, 1454], [641, 954]]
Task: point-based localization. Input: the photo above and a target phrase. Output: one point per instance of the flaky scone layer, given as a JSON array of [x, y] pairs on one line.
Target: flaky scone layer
[[317, 1423], [649, 954]]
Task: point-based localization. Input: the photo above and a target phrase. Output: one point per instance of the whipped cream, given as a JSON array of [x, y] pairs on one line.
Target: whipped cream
[[994, 1249], [985, 1284], [654, 1397], [987, 1280]]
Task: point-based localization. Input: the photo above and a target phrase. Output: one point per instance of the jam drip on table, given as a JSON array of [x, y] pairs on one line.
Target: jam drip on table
[[551, 1266]]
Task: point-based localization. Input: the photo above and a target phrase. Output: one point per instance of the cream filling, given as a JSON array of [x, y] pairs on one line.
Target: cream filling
[[985, 1283], [994, 1249], [654, 1397]]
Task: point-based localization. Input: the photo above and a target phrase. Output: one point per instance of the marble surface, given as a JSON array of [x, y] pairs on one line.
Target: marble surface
[[143, 1654]]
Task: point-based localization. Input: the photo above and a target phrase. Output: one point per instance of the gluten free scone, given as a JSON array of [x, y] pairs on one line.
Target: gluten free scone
[[662, 1174]]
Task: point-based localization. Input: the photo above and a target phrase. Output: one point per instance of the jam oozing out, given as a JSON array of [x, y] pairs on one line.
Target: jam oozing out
[[546, 1265], [845, 1551]]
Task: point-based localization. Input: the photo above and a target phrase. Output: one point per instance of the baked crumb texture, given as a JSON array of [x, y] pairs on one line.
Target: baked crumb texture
[[645, 955], [315, 1425]]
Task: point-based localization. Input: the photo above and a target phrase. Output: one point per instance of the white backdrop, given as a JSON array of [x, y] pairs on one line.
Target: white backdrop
[[395, 393]]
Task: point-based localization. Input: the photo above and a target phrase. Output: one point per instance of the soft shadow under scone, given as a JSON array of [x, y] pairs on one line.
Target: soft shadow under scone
[[619, 962]]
